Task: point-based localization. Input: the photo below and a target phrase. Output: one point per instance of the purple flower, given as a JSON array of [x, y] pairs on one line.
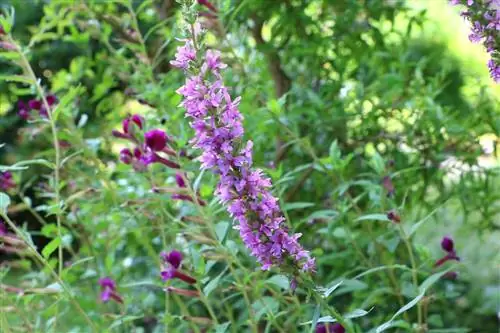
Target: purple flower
[[330, 328], [245, 191], [51, 99], [184, 56], [179, 179], [126, 156], [494, 69], [174, 258], [447, 244], [34, 104], [23, 110], [156, 139], [6, 181], [108, 290], [135, 119]]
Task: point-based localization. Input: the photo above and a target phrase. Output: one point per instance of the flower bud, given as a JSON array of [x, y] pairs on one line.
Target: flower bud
[[126, 156], [393, 216], [447, 244], [179, 180], [51, 99], [135, 119], [174, 258], [34, 104], [156, 139]]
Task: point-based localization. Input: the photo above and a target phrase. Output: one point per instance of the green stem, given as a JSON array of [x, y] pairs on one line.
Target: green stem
[[414, 273], [27, 67], [47, 266]]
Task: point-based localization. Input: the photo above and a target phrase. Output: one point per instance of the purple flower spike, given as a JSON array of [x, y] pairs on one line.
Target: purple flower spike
[[126, 156], [156, 139], [135, 119], [330, 328], [108, 290], [244, 190], [447, 244], [174, 258]]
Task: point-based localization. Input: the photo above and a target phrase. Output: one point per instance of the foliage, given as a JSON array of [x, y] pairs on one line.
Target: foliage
[[369, 128]]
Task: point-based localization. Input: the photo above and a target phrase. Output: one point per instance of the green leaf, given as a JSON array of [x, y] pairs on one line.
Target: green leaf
[[423, 288], [39, 161], [375, 217], [297, 205], [330, 290], [4, 203], [51, 247], [315, 319], [221, 230], [266, 305], [123, 320], [329, 319], [380, 268], [279, 280], [222, 328], [213, 284], [16, 78]]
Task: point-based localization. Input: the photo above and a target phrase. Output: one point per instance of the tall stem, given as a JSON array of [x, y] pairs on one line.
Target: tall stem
[[57, 162]]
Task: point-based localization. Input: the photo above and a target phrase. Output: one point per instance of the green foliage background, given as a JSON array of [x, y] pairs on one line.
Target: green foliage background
[[336, 96]]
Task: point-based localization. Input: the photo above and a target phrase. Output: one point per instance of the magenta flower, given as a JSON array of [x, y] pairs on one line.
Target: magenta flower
[[126, 156], [245, 191], [135, 119], [173, 260], [108, 290], [156, 139], [23, 110], [447, 244], [34, 104], [330, 328], [6, 181], [179, 180]]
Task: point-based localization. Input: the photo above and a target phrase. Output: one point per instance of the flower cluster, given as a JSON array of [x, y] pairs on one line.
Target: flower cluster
[[147, 148], [108, 290], [173, 262], [448, 246], [6, 181], [35, 106], [484, 16], [330, 328], [245, 191]]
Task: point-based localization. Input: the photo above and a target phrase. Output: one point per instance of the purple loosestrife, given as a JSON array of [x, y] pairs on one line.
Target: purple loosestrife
[[147, 148], [108, 290], [244, 191], [484, 16], [173, 261], [448, 246], [6, 181]]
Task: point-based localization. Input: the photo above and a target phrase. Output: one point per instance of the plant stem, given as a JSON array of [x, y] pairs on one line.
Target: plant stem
[[29, 70], [414, 273], [56, 276]]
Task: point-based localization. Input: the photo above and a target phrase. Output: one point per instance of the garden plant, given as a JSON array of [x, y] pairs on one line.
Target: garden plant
[[250, 166]]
